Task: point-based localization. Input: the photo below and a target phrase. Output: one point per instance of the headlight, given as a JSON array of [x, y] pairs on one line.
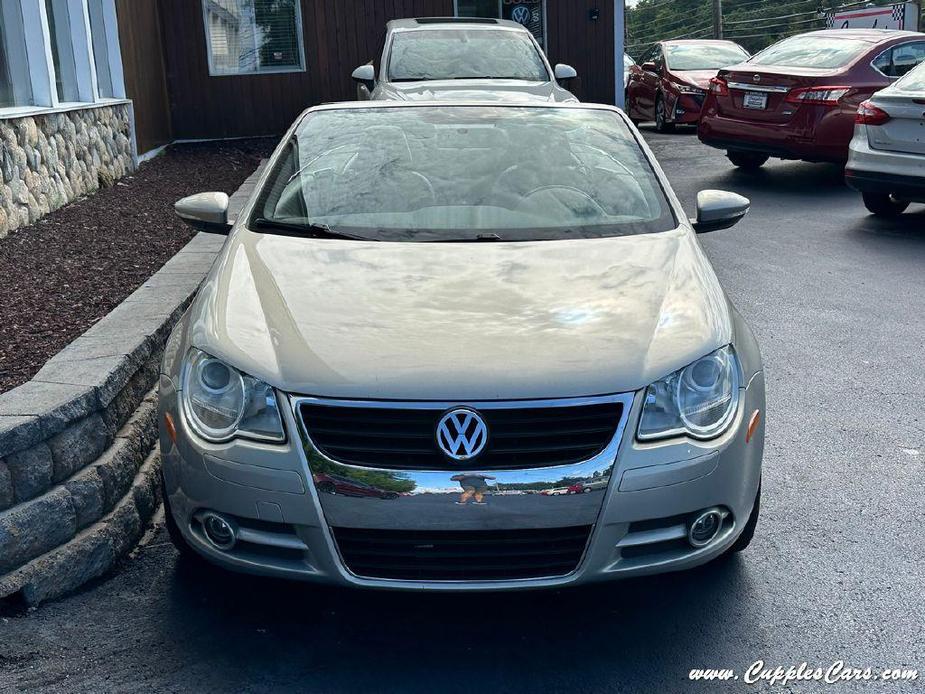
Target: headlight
[[699, 400], [220, 402]]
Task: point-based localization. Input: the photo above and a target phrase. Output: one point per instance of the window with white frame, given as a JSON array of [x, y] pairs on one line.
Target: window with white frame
[[15, 82], [530, 13], [62, 49], [58, 53], [100, 39], [253, 36]]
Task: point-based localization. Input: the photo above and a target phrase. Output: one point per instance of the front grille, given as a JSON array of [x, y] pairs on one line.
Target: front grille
[[405, 438], [462, 555]]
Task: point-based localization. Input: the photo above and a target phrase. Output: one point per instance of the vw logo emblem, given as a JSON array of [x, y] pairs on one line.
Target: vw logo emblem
[[521, 15], [462, 434]]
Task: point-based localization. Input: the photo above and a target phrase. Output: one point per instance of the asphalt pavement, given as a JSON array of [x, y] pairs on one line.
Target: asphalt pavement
[[836, 571]]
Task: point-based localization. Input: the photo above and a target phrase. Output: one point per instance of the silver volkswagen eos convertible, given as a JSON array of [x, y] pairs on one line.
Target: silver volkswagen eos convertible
[[462, 347]]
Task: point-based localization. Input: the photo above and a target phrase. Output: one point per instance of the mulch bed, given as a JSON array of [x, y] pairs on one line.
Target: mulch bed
[[65, 272]]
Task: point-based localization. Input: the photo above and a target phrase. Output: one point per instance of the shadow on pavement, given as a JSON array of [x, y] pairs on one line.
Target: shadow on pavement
[[667, 625], [797, 179], [907, 227]]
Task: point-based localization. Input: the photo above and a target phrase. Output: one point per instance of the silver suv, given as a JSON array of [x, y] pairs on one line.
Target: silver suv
[[442, 58]]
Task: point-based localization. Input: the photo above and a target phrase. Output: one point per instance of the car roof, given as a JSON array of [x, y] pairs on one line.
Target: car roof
[[871, 35], [423, 23]]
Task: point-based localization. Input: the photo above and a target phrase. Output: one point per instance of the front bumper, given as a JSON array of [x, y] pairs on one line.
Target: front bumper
[[636, 509], [687, 108]]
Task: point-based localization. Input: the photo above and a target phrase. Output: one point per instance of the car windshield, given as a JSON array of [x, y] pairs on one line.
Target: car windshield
[[473, 173], [913, 81], [705, 56], [813, 51], [445, 54]]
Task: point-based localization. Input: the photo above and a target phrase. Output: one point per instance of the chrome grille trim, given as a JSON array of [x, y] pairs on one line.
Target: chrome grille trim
[[435, 462]]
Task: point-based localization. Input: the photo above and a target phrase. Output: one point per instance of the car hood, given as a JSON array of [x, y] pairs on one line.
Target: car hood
[[460, 321], [695, 78], [473, 90]]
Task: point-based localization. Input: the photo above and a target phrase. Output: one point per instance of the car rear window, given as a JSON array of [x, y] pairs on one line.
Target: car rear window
[[703, 56], [914, 81], [463, 173], [812, 51], [445, 54]]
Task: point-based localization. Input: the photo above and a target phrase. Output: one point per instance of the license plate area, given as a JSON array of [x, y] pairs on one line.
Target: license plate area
[[757, 101]]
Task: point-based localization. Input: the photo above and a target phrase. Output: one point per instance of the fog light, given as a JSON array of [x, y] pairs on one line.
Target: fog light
[[705, 528], [219, 531]]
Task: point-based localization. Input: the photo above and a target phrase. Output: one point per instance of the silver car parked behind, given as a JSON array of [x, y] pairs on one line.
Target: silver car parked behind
[[440, 58], [886, 160], [429, 325]]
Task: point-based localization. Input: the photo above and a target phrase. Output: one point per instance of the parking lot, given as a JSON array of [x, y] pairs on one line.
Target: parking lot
[[835, 572]]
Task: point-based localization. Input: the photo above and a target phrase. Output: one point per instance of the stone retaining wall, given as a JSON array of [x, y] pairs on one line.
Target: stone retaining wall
[[78, 475], [50, 159]]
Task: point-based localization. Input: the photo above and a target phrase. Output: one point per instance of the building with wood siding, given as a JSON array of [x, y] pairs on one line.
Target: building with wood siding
[[194, 69]]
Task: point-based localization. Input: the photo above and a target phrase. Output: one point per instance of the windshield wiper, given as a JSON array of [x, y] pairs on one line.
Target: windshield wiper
[[313, 229], [490, 237]]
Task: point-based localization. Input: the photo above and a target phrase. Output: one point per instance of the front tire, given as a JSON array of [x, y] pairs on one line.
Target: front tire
[[661, 117], [628, 103], [187, 553], [750, 161], [745, 539], [884, 204]]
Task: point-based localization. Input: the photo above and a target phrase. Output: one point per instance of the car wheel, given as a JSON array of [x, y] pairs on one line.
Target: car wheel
[[751, 161], [745, 539], [630, 108], [884, 204], [586, 490], [661, 118], [187, 553]]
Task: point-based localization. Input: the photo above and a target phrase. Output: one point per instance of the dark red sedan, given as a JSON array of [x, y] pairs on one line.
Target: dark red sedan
[[798, 98], [670, 84], [334, 484]]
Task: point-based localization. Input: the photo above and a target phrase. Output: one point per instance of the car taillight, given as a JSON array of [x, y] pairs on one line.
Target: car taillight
[[868, 114], [719, 87], [827, 96]]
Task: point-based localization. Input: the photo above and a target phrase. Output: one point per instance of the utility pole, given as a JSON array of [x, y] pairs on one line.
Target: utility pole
[[717, 19]]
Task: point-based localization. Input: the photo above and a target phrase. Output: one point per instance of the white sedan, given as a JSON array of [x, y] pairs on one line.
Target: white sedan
[[886, 163]]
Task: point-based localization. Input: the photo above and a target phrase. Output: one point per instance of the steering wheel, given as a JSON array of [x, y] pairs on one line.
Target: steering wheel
[[571, 189], [426, 187]]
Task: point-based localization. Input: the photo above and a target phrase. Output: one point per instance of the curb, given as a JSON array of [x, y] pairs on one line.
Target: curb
[[77, 475]]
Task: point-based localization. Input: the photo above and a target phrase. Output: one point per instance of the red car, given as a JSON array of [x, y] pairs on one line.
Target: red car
[[797, 99], [334, 484], [670, 85]]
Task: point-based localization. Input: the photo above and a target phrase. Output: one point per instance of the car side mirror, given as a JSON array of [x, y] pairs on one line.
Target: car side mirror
[[719, 209], [365, 74], [565, 72], [649, 67], [206, 212]]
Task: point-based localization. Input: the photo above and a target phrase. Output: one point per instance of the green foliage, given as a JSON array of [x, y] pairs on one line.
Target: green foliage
[[755, 24]]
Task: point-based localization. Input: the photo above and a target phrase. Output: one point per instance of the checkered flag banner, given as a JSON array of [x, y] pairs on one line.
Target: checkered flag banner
[[830, 20], [899, 14]]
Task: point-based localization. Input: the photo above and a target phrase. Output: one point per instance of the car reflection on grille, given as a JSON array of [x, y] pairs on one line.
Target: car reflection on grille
[[468, 555], [403, 438]]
